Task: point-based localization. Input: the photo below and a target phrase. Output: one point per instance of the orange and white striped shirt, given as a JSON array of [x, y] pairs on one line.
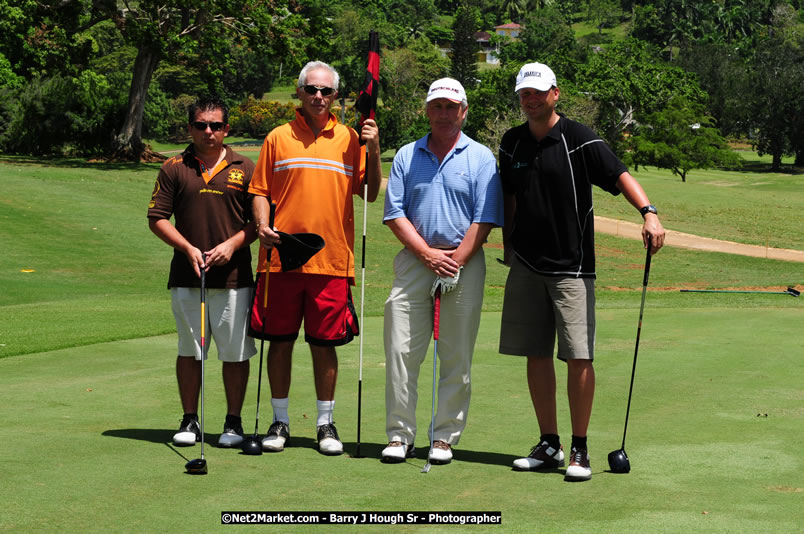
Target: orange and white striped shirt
[[312, 179]]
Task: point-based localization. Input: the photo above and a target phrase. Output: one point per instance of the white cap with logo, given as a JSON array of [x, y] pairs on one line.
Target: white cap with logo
[[446, 88], [535, 76]]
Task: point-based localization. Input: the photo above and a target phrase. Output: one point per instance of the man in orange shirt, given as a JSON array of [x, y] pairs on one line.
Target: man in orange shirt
[[311, 168]]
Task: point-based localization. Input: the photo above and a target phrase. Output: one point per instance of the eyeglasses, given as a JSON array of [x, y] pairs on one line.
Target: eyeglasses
[[214, 126], [313, 89]]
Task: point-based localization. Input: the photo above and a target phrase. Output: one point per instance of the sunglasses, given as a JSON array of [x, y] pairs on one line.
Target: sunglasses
[[313, 89], [214, 126]]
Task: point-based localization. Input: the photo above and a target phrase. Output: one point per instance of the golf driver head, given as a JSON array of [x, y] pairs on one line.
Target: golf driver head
[[251, 446], [196, 467], [619, 462]]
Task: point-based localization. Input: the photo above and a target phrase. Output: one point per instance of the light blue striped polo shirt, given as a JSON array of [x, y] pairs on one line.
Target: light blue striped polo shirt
[[442, 200]]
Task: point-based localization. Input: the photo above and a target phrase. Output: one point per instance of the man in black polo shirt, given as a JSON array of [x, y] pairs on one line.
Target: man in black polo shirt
[[548, 166], [206, 190]]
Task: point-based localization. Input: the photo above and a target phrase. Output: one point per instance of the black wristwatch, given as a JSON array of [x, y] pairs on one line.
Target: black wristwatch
[[650, 208]]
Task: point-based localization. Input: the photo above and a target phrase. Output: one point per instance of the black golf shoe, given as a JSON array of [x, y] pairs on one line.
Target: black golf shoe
[[232, 432], [328, 441], [189, 431]]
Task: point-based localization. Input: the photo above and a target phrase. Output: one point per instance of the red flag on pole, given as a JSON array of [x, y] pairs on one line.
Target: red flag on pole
[[366, 104], [367, 98]]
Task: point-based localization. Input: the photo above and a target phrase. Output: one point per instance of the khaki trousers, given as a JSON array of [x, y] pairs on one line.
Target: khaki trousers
[[408, 327]]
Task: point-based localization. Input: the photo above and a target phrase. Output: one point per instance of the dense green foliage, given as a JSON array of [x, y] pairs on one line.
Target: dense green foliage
[[110, 73], [680, 138]]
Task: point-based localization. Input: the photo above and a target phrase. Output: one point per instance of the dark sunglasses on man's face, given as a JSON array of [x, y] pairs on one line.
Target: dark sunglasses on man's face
[[313, 89], [214, 126]]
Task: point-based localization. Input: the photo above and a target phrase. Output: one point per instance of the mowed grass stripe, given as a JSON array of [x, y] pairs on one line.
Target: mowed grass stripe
[[702, 459]]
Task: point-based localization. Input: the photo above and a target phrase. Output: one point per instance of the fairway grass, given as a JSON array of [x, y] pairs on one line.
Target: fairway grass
[[713, 437], [87, 378]]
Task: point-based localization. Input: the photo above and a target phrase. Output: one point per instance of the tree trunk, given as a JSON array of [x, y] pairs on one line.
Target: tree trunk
[[776, 166], [128, 145]]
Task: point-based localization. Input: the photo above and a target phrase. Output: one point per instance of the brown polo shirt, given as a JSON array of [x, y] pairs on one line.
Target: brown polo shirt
[[207, 211]]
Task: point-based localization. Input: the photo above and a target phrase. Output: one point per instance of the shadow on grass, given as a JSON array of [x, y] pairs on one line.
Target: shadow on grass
[[153, 435], [78, 163], [367, 450], [374, 450], [759, 167]]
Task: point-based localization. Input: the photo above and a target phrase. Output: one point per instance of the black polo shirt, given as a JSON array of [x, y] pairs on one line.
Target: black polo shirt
[[552, 179]]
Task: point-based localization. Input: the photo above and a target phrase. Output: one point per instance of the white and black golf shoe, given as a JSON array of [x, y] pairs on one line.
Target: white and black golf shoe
[[328, 441], [232, 432], [278, 434], [542, 456], [189, 431]]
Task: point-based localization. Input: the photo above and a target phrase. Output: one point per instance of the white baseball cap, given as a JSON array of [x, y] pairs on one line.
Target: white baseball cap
[[535, 76], [446, 88]]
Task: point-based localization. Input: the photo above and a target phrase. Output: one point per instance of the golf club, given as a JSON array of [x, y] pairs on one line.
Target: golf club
[[436, 315], [199, 465], [251, 445], [789, 291], [618, 460]]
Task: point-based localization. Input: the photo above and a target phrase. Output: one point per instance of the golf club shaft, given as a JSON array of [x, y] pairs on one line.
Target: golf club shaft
[[203, 343], [271, 215], [436, 320], [790, 291], [636, 347]]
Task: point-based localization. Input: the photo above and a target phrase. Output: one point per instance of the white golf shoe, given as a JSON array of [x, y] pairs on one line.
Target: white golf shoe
[[396, 452], [440, 453]]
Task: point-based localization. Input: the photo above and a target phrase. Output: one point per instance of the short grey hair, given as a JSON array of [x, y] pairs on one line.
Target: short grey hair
[[315, 65]]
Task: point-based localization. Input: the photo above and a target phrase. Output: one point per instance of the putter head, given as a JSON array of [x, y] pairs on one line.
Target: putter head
[[426, 468], [251, 446], [296, 249], [793, 292], [196, 467], [619, 462]]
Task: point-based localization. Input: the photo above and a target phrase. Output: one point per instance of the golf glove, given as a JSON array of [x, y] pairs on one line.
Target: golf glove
[[446, 283]]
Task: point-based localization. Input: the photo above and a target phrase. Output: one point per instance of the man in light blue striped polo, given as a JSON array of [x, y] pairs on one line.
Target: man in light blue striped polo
[[444, 196]]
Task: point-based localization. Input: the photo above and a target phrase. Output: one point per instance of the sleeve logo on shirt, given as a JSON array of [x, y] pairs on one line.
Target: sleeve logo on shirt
[[152, 203]]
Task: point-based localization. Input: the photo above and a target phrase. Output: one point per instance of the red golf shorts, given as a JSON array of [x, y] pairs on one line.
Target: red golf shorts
[[323, 302]]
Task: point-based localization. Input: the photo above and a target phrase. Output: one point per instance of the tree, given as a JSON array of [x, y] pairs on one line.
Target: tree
[[464, 46], [411, 18], [679, 138], [546, 31], [169, 28], [724, 75], [777, 75], [628, 78], [405, 75], [603, 13], [513, 10], [44, 37]]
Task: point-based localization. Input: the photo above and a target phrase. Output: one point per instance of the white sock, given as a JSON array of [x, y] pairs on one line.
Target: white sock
[[324, 412], [280, 407]]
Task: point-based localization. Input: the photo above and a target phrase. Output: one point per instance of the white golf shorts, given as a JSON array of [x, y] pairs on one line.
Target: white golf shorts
[[227, 318]]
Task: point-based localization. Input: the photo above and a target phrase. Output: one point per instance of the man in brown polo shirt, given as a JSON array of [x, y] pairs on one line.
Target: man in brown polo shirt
[[205, 189]]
